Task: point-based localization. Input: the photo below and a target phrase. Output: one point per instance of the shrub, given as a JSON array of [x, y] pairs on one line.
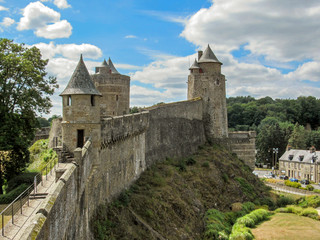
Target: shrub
[[12, 195], [316, 190], [248, 207], [205, 165], [190, 161], [246, 221], [216, 226], [310, 201], [246, 187], [240, 232], [310, 188], [310, 212], [283, 201], [292, 184], [23, 178], [225, 177]]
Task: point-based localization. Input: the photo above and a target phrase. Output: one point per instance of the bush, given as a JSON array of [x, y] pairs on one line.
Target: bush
[[23, 178], [246, 187], [240, 232], [316, 190], [248, 207], [310, 212], [190, 161], [292, 184], [309, 201], [216, 225], [310, 188], [205, 165], [283, 201], [12, 195]]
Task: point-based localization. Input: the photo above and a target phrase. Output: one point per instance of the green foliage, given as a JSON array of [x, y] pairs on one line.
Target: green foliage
[[101, 225], [43, 122], [306, 212], [292, 184], [23, 178], [12, 195], [240, 229], [205, 165], [283, 201], [190, 161], [246, 187], [309, 187], [225, 177], [309, 201], [216, 225], [24, 93], [134, 110], [297, 139], [40, 155]]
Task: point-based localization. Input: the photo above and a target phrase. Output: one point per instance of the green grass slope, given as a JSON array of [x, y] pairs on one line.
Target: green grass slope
[[170, 199]]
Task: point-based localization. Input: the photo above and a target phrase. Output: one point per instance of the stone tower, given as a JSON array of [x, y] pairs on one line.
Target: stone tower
[[115, 89], [206, 81], [81, 110]]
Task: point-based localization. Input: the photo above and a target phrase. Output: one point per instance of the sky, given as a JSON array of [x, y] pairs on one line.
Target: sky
[[267, 47]]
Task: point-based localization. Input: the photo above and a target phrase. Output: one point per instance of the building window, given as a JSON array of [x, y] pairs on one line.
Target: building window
[[69, 102], [117, 97], [92, 100], [80, 138]]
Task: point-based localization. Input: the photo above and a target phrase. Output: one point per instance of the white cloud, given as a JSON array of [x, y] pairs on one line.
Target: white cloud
[[280, 30], [70, 51], [61, 29], [61, 4], [45, 21], [7, 22], [130, 36], [2, 8]]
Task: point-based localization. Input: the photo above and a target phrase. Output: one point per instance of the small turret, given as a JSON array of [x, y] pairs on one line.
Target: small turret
[[195, 67], [103, 68], [81, 109], [208, 62], [113, 69]]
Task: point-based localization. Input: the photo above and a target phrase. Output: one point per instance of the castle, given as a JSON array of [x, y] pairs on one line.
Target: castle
[[106, 149]]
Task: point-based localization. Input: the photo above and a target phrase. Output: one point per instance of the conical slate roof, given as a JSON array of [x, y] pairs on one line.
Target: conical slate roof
[[113, 69], [208, 56], [195, 65], [104, 63], [80, 82]]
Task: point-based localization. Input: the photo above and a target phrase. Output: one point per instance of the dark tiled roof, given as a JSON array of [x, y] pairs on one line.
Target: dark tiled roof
[[80, 82], [113, 69], [208, 56]]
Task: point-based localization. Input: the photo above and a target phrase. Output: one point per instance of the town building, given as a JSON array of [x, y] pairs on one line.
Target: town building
[[301, 164]]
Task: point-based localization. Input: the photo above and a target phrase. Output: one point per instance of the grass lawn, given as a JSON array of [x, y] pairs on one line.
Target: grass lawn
[[288, 226]]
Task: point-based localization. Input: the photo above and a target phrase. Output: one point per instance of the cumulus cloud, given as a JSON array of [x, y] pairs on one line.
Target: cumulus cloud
[[70, 51], [7, 22], [277, 30], [2, 8], [45, 21], [277, 35], [61, 4]]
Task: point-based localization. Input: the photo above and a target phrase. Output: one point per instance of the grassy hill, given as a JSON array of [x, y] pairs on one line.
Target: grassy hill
[[170, 199]]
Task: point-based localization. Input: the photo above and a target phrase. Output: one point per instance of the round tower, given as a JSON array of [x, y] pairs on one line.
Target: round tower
[[81, 110], [115, 90], [206, 81]]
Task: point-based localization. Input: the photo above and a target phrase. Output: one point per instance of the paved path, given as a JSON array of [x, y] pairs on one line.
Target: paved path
[[22, 221]]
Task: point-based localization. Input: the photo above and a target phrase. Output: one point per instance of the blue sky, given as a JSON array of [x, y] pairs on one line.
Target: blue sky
[[268, 48]]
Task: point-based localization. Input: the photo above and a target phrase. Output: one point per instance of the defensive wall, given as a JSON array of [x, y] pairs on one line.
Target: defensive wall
[[129, 144]]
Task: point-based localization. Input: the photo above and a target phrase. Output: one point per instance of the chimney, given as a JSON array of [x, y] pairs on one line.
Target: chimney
[[199, 54]]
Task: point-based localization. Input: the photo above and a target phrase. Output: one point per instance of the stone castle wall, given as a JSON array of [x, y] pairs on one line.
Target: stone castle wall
[[175, 129], [129, 144], [243, 144]]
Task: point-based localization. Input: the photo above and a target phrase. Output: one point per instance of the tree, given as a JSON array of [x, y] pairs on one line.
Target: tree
[[24, 93], [298, 138], [272, 134]]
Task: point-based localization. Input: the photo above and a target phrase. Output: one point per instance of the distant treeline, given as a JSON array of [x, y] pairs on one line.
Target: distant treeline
[[278, 123]]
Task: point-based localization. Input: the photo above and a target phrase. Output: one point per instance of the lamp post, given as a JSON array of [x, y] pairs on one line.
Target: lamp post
[[275, 151], [313, 160]]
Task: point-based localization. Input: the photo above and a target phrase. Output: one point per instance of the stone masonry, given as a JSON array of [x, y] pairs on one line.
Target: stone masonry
[[107, 153]]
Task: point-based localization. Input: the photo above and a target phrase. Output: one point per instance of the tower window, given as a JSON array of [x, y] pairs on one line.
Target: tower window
[[80, 138], [92, 100], [117, 97], [69, 100]]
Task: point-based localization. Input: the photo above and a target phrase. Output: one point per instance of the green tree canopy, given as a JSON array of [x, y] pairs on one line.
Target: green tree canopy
[[24, 93]]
